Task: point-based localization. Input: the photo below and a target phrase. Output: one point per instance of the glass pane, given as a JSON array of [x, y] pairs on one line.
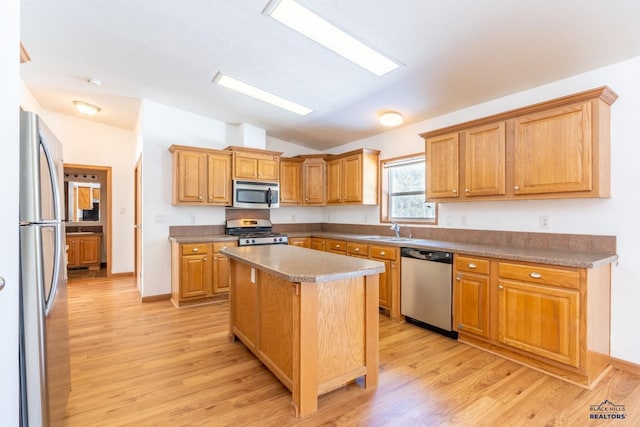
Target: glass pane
[[411, 206], [407, 178]]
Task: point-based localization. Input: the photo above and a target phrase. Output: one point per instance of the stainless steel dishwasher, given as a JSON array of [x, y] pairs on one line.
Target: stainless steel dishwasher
[[426, 289]]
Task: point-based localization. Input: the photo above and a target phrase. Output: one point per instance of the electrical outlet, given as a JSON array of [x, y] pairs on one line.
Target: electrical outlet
[[463, 220], [192, 218], [160, 219], [544, 222]]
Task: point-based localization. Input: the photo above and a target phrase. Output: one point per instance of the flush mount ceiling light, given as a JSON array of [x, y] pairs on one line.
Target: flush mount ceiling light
[[86, 108], [307, 23], [254, 92], [391, 118]]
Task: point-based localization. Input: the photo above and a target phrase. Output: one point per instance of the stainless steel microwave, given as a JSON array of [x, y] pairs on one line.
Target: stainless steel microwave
[[256, 194]]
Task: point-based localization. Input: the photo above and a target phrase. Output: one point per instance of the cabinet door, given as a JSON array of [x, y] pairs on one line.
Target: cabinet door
[[192, 176], [268, 169], [384, 283], [72, 253], [290, 183], [471, 298], [89, 250], [219, 179], [195, 276], [318, 244], [542, 320], [484, 160], [553, 151], [442, 174], [352, 179], [314, 183], [244, 302], [221, 277], [245, 167], [334, 181]]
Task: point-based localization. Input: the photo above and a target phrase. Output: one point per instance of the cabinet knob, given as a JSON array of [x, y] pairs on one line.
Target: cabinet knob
[[466, 190], [460, 326], [459, 277], [195, 250], [357, 249], [535, 275], [337, 246], [500, 287], [472, 265], [454, 190], [205, 258], [516, 187], [382, 253], [200, 197]]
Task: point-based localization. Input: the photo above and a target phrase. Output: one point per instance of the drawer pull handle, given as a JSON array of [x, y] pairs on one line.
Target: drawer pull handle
[[195, 250], [535, 275], [472, 265], [382, 253]]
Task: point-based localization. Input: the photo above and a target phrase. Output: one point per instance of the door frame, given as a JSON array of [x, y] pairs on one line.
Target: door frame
[[107, 236], [137, 226]]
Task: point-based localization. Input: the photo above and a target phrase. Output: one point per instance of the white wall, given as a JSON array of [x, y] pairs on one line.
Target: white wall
[[86, 142], [615, 216], [9, 176]]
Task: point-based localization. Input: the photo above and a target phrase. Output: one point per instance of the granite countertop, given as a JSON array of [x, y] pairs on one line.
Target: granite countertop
[[303, 265], [540, 256]]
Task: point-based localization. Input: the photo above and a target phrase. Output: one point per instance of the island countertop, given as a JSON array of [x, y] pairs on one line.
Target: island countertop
[[297, 264]]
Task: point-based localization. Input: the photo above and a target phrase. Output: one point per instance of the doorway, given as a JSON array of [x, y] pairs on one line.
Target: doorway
[[88, 210]]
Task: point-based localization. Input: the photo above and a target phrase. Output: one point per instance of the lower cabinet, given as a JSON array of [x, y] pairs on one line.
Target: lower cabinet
[[199, 272], [318, 244], [84, 251], [548, 317], [303, 242]]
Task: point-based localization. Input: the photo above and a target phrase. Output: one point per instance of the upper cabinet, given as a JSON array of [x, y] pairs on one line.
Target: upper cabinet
[[314, 180], [352, 178], [291, 181], [555, 149], [201, 176], [254, 164]]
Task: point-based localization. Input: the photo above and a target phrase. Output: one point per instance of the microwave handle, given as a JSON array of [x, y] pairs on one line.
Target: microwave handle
[[269, 197]]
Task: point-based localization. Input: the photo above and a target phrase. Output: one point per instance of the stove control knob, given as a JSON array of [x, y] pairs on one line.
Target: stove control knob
[[253, 240]]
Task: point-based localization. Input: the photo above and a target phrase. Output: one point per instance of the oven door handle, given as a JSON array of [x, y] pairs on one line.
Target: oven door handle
[[269, 197]]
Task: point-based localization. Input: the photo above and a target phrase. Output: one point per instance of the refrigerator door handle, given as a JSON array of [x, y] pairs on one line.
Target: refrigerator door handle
[[57, 264], [57, 209]]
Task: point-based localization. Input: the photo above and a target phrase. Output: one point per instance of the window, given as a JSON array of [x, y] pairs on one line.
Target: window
[[403, 191]]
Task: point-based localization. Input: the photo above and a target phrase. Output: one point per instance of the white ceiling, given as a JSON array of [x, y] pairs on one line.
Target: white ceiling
[[456, 53]]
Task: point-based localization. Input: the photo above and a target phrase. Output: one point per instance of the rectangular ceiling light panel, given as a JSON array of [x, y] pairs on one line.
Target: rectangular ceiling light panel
[[254, 92], [307, 23]]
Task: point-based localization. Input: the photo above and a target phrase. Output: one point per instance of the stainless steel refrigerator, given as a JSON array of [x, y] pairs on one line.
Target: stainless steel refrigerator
[[44, 338]]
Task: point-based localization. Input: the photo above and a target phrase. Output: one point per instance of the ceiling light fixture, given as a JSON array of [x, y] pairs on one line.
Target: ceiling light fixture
[[307, 23], [94, 81], [391, 119], [86, 108], [254, 92]]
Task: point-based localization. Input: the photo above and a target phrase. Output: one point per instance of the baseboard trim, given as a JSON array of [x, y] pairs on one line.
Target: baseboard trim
[[121, 275], [153, 298], [623, 365]]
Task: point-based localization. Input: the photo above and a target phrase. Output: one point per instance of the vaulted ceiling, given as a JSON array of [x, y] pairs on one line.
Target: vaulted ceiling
[[455, 53]]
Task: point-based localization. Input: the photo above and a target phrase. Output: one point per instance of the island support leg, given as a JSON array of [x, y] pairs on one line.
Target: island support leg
[[305, 350], [372, 325]]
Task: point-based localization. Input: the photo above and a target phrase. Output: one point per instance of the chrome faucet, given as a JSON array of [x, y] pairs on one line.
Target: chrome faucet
[[396, 227]]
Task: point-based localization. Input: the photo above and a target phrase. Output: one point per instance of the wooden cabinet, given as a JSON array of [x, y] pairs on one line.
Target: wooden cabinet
[[201, 176], [352, 178], [553, 318], [471, 295], [555, 149], [538, 310], [291, 181], [314, 181], [442, 174], [302, 242], [199, 272], [84, 251], [255, 164], [337, 246], [389, 281], [318, 244]]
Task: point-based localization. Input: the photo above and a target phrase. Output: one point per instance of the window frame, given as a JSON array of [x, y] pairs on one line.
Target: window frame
[[385, 195]]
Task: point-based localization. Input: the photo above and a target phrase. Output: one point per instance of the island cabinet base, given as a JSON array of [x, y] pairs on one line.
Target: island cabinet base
[[315, 337]]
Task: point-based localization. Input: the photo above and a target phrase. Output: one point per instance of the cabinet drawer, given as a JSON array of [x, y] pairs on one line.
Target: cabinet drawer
[[561, 277], [337, 245], [383, 252], [472, 265], [195, 248], [219, 245], [360, 249]]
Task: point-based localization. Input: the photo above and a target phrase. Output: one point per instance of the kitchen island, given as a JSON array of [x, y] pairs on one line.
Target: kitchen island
[[311, 317]]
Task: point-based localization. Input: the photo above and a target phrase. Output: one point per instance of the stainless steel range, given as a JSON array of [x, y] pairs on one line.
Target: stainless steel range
[[252, 232]]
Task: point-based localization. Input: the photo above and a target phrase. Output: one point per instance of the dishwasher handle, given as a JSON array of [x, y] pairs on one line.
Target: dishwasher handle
[[427, 255]]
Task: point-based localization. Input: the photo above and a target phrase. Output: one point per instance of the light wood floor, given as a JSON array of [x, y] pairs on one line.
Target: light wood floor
[[154, 365]]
